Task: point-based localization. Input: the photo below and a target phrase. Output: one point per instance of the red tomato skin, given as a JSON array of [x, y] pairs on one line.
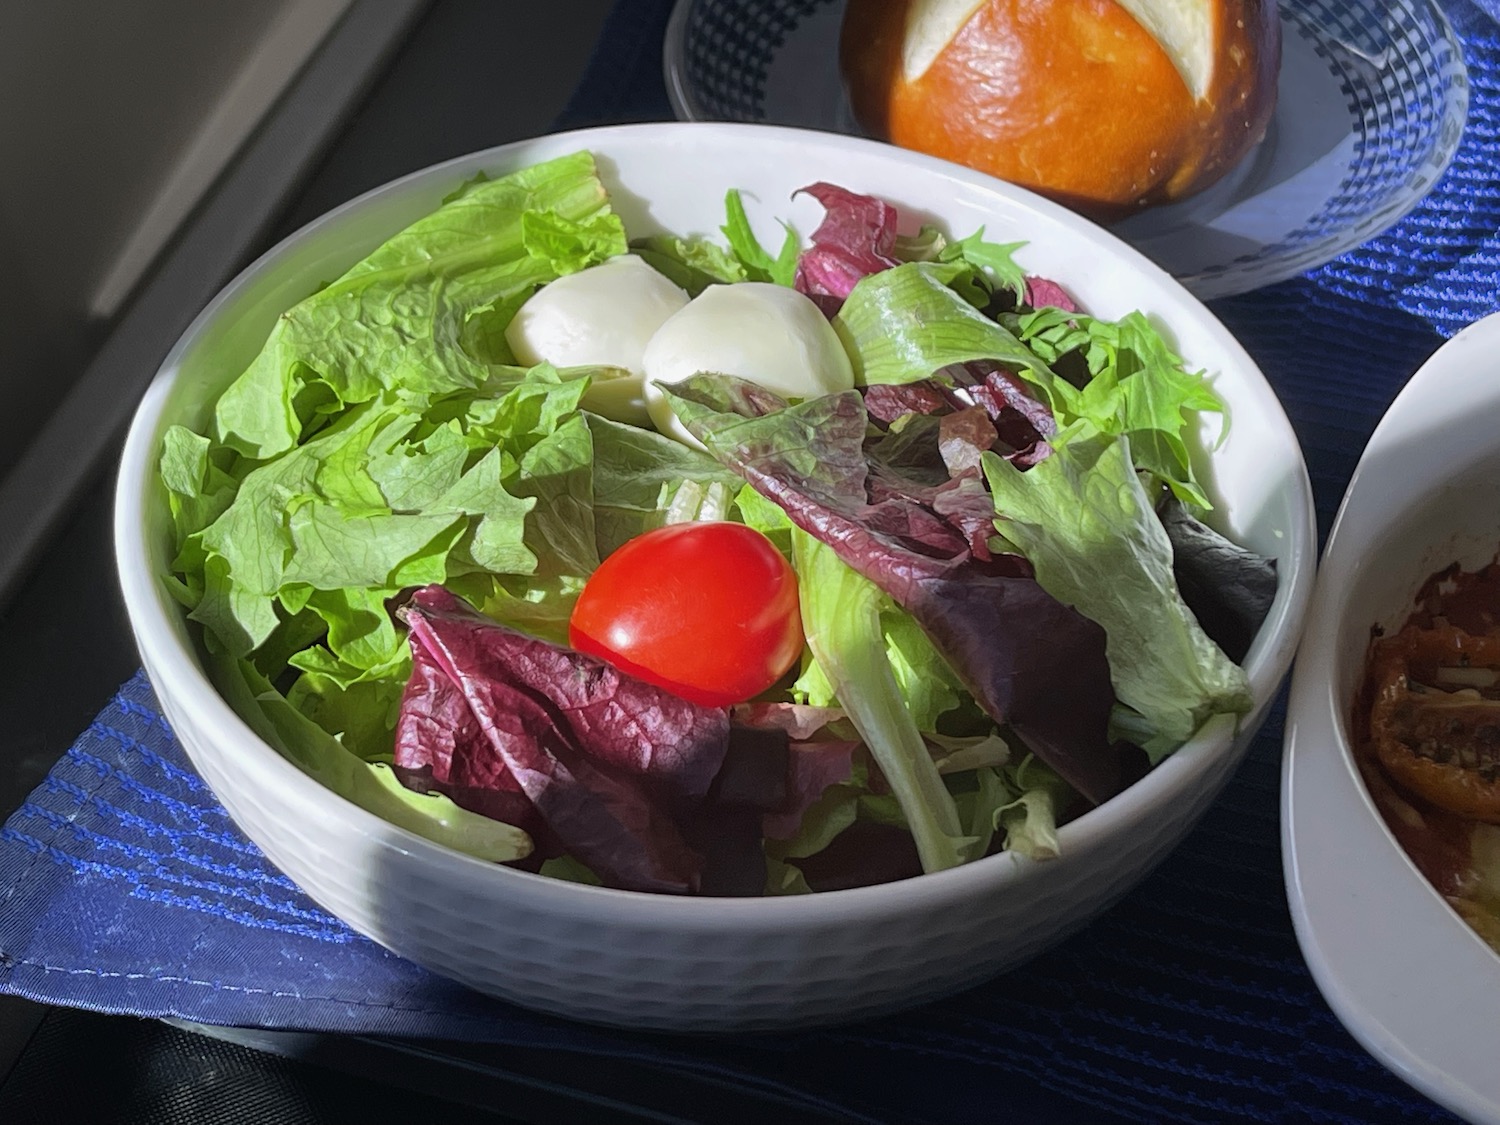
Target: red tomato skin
[[707, 610]]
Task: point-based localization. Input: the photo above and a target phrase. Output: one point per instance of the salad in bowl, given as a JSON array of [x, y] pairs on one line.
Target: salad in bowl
[[632, 548], [570, 545]]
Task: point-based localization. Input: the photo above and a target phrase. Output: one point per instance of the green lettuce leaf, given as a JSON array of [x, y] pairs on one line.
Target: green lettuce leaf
[[1022, 802], [1029, 819], [927, 245], [484, 487], [841, 617], [994, 259], [184, 460], [1138, 387], [357, 706], [753, 257], [359, 633], [395, 321], [517, 411], [958, 753], [557, 474], [637, 476], [198, 493], [319, 525], [540, 607], [568, 868], [371, 786], [410, 471], [1086, 524], [980, 803], [834, 810], [691, 263], [929, 688], [903, 324]]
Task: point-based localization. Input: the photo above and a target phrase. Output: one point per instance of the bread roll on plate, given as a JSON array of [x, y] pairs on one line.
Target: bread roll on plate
[[1108, 106]]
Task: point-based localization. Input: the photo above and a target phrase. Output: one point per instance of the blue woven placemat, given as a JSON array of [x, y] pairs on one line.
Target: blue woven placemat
[[125, 888], [128, 889]]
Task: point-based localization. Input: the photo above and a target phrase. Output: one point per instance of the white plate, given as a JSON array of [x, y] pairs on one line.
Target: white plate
[[1372, 100], [1405, 975]]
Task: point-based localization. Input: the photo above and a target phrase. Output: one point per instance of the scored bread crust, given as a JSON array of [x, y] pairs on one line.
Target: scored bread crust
[[1072, 98]]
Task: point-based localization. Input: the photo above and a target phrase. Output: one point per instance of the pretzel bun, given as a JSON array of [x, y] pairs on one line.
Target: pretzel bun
[[1105, 105]]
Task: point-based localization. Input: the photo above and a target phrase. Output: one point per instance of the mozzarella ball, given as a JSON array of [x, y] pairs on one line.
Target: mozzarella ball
[[768, 334], [602, 316]]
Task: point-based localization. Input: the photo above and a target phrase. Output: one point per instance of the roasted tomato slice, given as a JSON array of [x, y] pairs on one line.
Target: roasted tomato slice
[[1435, 716]]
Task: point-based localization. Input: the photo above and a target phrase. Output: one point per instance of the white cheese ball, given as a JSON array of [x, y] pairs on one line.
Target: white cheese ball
[[768, 334], [602, 316]]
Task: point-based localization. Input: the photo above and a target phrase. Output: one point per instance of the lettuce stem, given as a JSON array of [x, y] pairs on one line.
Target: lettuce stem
[[841, 618]]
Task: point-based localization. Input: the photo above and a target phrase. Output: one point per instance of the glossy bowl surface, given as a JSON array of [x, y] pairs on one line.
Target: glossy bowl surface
[[710, 964]]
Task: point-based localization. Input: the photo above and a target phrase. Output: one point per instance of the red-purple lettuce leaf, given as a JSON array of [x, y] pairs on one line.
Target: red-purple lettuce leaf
[[856, 238], [1021, 418], [910, 451], [968, 506], [1041, 293], [948, 502], [1021, 422], [914, 495], [886, 402], [963, 436], [441, 746], [814, 767], [1030, 661], [609, 763]]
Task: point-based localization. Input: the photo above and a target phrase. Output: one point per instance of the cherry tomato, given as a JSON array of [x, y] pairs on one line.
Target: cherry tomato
[[706, 610]]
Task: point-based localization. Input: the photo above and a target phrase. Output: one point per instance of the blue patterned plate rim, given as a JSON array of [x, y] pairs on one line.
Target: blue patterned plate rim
[[1380, 90]]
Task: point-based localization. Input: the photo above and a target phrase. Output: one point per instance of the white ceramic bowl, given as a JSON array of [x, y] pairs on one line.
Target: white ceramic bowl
[[711, 964], [1398, 966]]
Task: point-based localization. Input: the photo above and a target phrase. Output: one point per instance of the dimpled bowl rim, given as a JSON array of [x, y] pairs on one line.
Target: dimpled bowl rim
[[156, 618]]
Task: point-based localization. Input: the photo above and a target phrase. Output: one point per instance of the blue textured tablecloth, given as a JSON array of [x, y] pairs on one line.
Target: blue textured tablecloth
[[124, 887]]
